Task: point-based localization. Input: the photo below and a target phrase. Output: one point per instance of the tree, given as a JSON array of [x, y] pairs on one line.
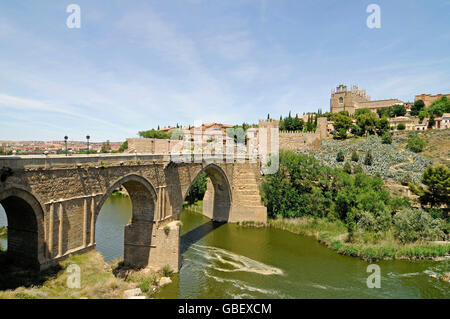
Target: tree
[[386, 138], [422, 114], [416, 144], [342, 134], [155, 134], [440, 106], [197, 190], [418, 106], [106, 147], [367, 122], [358, 169], [347, 168], [369, 159], [340, 156], [382, 125], [411, 225], [123, 147], [355, 157], [399, 110], [362, 111], [401, 126], [342, 121], [437, 182]]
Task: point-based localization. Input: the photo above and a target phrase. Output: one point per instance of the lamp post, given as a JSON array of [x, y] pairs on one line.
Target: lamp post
[[65, 142], [87, 138]]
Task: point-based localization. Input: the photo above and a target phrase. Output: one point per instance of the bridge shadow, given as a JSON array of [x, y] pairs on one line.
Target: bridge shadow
[[193, 236]]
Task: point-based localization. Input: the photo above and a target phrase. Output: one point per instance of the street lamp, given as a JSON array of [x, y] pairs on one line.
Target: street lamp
[[87, 138], [65, 142]]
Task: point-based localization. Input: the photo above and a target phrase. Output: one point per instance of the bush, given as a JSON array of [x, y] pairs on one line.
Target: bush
[[369, 159], [167, 271], [386, 138], [355, 157], [401, 127], [340, 157], [416, 144], [358, 169], [347, 168], [411, 225]]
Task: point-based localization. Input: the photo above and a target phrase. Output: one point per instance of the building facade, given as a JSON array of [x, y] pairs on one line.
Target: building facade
[[343, 99], [429, 98]]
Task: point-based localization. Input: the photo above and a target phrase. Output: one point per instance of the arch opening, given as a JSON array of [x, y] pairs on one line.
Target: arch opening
[[127, 220], [211, 186], [22, 248]]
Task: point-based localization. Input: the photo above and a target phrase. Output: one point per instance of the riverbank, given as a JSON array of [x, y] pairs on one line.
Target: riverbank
[[98, 280], [370, 247]]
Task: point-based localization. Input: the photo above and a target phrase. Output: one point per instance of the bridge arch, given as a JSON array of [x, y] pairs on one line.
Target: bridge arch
[[218, 196], [138, 234], [25, 218]]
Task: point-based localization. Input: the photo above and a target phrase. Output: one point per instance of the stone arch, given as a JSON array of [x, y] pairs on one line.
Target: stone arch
[[138, 234], [142, 194], [218, 196], [25, 216]]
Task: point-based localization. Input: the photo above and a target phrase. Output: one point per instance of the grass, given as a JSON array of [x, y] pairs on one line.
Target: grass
[[99, 280], [368, 246]]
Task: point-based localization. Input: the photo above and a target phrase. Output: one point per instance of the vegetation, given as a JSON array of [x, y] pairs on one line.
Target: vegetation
[[106, 147], [98, 280], [369, 159], [355, 156], [416, 144], [123, 147], [386, 138], [293, 124], [437, 187], [340, 156], [401, 126], [3, 232], [197, 190], [305, 188], [439, 107], [155, 134]]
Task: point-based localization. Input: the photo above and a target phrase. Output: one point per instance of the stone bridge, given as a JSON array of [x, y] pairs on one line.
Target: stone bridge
[[52, 203]]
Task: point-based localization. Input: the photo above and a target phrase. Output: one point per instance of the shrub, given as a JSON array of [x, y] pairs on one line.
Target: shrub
[[411, 225], [355, 157], [401, 127], [167, 271], [386, 138], [347, 168], [416, 144], [166, 229], [358, 169], [369, 159], [340, 156]]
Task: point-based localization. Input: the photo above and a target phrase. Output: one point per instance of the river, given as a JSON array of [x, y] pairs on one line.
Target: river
[[228, 261]]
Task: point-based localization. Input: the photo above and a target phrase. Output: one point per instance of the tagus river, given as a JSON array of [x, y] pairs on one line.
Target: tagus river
[[228, 261]]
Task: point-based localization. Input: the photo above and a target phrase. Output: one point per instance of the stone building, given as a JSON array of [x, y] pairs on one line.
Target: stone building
[[343, 99], [429, 98]]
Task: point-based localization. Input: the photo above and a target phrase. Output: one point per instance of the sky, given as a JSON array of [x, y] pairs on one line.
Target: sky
[[136, 64]]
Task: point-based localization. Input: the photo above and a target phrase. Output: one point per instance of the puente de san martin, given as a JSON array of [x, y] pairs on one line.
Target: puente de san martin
[[52, 203]]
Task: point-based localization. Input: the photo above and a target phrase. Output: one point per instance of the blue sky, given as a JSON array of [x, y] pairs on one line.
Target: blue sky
[[136, 64]]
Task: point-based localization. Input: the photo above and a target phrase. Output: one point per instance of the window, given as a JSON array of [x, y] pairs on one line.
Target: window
[[341, 100]]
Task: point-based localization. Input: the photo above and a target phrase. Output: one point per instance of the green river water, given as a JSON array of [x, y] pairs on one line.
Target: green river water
[[228, 261]]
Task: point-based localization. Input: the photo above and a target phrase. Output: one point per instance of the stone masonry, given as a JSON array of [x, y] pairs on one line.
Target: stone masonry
[[52, 203]]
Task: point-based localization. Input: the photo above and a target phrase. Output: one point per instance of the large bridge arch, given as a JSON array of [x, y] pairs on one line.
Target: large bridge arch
[[218, 196], [25, 218], [138, 234]]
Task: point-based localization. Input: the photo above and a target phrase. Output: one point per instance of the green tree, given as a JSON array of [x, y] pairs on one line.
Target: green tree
[[417, 107], [155, 134], [416, 144], [386, 138], [123, 147], [342, 121], [401, 126], [382, 125], [399, 110], [367, 122], [369, 159], [422, 114], [411, 225], [340, 156], [439, 107], [347, 168], [198, 189], [355, 156], [358, 169], [362, 111], [437, 190]]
